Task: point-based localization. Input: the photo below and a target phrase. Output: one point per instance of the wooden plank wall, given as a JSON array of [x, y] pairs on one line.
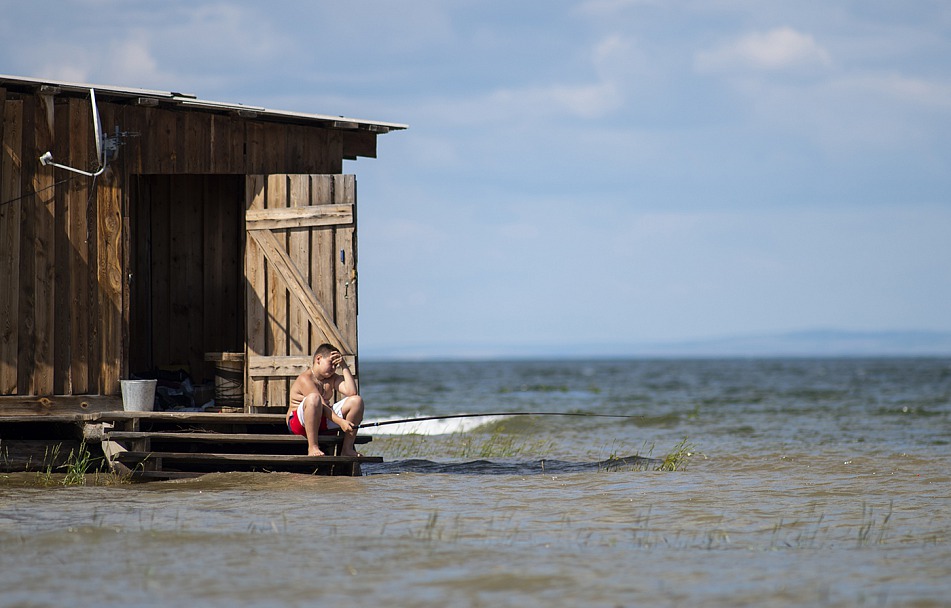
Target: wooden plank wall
[[49, 306], [65, 240], [176, 141]]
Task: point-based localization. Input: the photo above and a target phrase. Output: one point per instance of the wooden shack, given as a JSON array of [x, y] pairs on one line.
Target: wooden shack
[[178, 230]]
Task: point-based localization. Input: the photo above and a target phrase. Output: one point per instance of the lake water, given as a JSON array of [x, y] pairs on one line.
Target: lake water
[[809, 483]]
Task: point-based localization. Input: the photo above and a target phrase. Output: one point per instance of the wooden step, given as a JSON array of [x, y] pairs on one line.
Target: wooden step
[[194, 417], [274, 459], [168, 465], [211, 437], [171, 445]]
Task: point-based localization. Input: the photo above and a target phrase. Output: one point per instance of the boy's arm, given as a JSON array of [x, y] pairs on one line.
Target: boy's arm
[[346, 383], [345, 425]]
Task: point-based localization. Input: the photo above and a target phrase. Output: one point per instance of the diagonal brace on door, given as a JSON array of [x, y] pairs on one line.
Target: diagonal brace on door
[[298, 286]]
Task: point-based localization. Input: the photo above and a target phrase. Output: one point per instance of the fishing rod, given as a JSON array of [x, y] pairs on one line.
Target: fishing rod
[[447, 416]]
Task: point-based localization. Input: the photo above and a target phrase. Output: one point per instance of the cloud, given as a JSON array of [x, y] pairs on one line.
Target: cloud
[[612, 7], [918, 92], [778, 49], [612, 64], [171, 45], [132, 61]]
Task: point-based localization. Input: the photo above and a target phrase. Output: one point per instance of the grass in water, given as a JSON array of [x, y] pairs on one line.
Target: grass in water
[[80, 463], [77, 465], [50, 456], [867, 528], [677, 459]]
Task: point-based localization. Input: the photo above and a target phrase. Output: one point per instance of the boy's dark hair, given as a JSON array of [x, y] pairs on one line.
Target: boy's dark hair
[[324, 350]]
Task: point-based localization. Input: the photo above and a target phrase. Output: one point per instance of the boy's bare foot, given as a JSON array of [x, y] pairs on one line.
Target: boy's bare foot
[[315, 451], [351, 453]]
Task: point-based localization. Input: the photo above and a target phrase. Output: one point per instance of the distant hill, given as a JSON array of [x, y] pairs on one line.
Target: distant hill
[[812, 343], [831, 343]]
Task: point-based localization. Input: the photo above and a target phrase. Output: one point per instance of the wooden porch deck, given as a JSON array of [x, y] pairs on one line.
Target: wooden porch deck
[[170, 445]]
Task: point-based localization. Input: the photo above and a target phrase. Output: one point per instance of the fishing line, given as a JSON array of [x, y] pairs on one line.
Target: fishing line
[[35, 192], [447, 416]]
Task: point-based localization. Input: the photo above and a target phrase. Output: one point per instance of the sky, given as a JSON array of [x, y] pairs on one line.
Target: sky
[[588, 173]]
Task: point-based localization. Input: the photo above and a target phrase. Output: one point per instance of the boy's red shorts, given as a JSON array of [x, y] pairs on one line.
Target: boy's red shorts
[[294, 425]]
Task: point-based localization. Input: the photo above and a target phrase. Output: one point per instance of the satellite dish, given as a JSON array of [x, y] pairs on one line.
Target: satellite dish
[[47, 158], [97, 128]]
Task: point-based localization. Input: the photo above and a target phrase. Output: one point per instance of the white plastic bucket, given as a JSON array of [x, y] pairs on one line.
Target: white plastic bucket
[[138, 395]]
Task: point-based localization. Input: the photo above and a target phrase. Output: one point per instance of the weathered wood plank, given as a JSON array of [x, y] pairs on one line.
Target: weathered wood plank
[[26, 342], [125, 257], [224, 356], [143, 155], [226, 141], [255, 164], [359, 143], [111, 284], [323, 260], [266, 148], [247, 459], [77, 195], [334, 153], [300, 217], [277, 298], [197, 418], [255, 311], [11, 420], [62, 282], [198, 437], [209, 437], [10, 190], [275, 366], [198, 143], [180, 152], [162, 136], [345, 192], [44, 248], [296, 148], [25, 405], [134, 122], [289, 367], [298, 243]]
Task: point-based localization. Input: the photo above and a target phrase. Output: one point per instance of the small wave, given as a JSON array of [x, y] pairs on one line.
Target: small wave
[[533, 467], [431, 427]]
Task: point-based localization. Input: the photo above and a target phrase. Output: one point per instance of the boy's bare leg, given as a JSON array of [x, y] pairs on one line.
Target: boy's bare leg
[[352, 411], [313, 410]]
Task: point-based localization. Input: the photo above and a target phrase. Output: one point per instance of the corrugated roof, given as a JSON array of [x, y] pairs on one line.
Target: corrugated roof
[[148, 96]]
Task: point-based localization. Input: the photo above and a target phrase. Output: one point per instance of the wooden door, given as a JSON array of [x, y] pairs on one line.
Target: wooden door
[[300, 268]]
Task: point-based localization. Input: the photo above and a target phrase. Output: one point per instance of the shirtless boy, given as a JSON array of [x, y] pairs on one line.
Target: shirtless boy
[[311, 409]]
